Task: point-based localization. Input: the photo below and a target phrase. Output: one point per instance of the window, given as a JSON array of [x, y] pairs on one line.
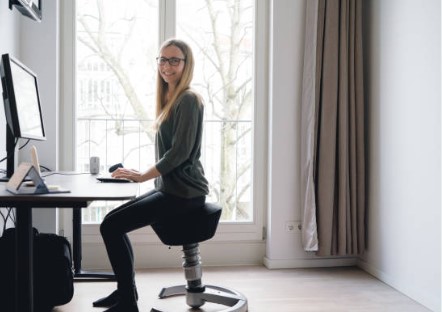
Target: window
[[116, 45], [223, 44]]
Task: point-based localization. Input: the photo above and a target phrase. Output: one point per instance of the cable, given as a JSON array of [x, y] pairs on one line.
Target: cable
[[27, 142], [64, 173], [45, 168], [4, 220], [10, 215]]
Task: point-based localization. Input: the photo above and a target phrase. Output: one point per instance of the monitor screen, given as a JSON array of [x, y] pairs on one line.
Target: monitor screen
[[21, 99]]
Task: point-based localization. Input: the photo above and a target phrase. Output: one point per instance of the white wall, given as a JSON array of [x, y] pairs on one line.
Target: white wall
[[9, 32], [9, 43], [404, 100], [36, 45], [39, 49], [286, 52]]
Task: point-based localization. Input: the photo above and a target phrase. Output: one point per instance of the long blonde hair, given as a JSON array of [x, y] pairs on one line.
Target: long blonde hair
[[164, 107]]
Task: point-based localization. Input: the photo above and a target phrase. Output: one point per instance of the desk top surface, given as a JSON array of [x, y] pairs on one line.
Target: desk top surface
[[84, 188]]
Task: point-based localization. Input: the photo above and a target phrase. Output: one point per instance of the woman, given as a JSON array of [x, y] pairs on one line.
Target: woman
[[180, 185]]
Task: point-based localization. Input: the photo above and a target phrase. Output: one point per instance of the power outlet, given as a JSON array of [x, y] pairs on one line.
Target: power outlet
[[293, 226], [290, 226]]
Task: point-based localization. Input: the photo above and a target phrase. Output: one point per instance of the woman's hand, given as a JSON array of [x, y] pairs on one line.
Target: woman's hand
[[130, 174], [136, 176]]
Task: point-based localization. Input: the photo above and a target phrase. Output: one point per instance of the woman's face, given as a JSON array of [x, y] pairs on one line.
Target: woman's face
[[171, 64]]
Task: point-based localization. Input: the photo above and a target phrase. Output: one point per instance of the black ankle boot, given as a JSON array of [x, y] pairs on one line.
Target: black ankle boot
[[111, 300], [123, 306], [108, 301]]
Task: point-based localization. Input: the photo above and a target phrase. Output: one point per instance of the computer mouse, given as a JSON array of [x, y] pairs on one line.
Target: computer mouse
[[115, 167]]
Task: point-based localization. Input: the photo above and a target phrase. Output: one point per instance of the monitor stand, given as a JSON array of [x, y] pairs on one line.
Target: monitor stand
[[11, 142]]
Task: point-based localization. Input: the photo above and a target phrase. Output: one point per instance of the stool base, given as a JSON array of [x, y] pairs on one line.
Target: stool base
[[234, 300]]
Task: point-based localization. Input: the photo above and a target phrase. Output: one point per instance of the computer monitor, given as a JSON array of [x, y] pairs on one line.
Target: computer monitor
[[22, 107]]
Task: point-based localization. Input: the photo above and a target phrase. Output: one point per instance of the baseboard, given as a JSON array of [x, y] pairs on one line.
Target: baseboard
[[308, 263], [409, 289]]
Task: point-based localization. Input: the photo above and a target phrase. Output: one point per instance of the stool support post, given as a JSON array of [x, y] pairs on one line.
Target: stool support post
[[192, 267], [193, 274]]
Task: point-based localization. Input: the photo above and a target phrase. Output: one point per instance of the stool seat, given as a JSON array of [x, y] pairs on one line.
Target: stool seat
[[195, 227]]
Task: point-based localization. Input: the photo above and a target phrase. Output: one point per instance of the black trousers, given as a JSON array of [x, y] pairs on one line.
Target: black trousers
[[142, 211]]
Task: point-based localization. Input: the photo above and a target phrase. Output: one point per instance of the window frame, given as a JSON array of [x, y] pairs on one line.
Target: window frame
[[227, 231]]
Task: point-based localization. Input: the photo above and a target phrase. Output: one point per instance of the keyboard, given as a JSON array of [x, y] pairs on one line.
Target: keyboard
[[113, 180]]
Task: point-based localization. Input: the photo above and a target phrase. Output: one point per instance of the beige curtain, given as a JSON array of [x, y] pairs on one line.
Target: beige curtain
[[333, 136]]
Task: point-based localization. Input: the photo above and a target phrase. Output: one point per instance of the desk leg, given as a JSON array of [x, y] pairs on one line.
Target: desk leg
[[76, 226], [25, 255], [78, 272]]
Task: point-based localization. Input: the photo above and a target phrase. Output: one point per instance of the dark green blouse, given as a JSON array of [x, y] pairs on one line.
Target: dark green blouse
[[178, 150]]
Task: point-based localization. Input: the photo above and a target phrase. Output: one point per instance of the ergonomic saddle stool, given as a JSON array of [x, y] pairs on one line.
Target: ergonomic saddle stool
[[188, 231]]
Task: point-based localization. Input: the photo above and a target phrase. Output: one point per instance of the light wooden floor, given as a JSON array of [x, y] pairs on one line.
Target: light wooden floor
[[288, 290]]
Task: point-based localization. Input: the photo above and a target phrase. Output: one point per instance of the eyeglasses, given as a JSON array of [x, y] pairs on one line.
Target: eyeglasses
[[173, 61]]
